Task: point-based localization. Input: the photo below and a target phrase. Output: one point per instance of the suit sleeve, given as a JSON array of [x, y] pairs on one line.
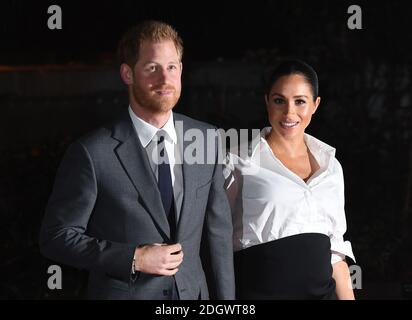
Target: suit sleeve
[[219, 235], [63, 234]]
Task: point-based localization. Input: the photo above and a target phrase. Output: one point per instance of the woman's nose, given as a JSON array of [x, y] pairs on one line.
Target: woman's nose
[[289, 108]]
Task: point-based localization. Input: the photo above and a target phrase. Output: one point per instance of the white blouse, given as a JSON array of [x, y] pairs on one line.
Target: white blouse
[[270, 202]]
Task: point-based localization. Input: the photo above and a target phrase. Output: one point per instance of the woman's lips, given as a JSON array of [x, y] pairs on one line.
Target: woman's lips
[[288, 124]]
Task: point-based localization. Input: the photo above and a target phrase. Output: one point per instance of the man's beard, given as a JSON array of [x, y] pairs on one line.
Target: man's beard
[[152, 101]]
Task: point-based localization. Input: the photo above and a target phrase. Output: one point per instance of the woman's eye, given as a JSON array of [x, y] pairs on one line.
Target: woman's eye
[[277, 101], [300, 102]]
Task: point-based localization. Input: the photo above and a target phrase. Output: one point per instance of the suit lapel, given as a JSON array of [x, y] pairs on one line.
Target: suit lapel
[[134, 160]]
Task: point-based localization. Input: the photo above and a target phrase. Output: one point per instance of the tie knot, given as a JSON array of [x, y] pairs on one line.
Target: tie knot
[[161, 135]]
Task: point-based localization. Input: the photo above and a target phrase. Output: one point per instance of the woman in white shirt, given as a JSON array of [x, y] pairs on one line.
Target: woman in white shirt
[[287, 200]]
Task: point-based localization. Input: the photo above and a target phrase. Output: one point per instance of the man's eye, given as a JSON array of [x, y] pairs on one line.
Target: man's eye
[[151, 68], [172, 67]]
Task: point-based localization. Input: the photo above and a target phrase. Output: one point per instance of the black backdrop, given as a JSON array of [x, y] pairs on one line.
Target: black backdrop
[[56, 85]]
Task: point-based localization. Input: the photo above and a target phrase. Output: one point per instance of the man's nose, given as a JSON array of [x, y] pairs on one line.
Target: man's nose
[[163, 75]]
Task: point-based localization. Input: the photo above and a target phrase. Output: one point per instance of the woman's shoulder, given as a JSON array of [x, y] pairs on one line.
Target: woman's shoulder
[[246, 148], [242, 153]]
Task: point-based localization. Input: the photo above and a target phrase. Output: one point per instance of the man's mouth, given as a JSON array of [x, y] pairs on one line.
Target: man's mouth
[[164, 92]]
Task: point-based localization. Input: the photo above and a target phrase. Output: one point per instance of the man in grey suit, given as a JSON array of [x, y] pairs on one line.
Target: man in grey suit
[[127, 205]]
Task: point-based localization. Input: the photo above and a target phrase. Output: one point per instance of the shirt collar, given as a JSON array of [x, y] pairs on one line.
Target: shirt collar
[[315, 145], [321, 151], [146, 132]]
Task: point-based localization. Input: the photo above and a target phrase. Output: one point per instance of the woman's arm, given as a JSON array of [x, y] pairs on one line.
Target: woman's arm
[[343, 281]]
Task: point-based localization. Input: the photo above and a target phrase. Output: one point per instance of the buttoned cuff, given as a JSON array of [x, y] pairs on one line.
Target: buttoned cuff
[[340, 250]]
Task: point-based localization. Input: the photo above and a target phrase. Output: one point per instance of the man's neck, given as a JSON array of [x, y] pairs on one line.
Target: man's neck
[[156, 119]]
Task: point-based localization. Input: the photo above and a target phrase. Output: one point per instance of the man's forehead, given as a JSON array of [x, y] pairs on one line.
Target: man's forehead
[[158, 55], [153, 45]]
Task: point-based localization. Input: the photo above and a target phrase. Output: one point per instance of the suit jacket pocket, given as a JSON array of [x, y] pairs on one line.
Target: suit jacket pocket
[[114, 283], [107, 288]]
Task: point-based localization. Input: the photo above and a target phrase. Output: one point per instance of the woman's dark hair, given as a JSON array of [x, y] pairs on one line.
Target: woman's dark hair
[[291, 67]]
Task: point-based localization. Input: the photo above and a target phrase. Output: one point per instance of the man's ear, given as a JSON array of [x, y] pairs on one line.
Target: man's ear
[[126, 73]]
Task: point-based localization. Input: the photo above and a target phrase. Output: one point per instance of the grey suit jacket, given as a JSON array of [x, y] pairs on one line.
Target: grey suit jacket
[[105, 202]]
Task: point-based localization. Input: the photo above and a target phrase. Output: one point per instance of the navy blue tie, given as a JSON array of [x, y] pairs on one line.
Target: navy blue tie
[[164, 183]]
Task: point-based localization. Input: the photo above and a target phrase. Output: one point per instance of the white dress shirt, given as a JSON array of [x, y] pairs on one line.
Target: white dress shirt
[[148, 137], [270, 202]]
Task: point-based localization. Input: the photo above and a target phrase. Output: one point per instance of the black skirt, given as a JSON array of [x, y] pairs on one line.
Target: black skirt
[[295, 267]]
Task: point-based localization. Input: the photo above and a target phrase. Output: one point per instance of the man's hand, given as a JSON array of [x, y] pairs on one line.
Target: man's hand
[[159, 259]]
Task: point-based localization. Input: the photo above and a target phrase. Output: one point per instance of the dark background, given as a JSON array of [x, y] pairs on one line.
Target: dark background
[[56, 85]]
